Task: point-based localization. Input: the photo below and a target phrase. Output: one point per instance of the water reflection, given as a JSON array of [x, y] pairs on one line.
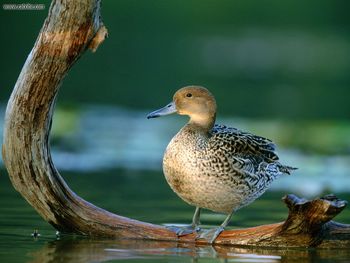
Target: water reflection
[[87, 250], [142, 195]]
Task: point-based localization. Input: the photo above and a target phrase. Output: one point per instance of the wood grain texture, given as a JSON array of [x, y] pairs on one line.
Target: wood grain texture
[[70, 29]]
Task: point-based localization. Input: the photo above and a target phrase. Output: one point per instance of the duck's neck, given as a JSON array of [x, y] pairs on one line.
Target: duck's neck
[[202, 123]]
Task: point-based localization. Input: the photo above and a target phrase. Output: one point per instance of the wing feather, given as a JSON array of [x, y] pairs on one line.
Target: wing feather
[[246, 151]]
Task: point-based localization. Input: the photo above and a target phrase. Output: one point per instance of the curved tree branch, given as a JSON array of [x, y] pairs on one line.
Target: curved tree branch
[[70, 28]]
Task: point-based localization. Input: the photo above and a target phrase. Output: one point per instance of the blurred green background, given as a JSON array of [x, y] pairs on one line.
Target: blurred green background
[[270, 59], [284, 63], [280, 69]]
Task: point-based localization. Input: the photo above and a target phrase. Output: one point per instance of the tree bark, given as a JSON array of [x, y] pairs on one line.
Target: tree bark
[[70, 28]]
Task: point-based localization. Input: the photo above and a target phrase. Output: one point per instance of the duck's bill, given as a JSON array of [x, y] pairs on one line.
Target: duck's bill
[[168, 109]]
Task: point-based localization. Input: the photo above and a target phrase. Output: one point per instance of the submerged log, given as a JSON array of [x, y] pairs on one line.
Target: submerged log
[[70, 28]]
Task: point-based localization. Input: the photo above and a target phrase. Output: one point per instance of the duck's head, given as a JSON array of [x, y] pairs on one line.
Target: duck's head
[[196, 102]]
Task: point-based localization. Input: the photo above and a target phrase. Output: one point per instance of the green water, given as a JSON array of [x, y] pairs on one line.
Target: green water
[[147, 197]]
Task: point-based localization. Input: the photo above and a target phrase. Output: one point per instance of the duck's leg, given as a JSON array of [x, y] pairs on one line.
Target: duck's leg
[[195, 219], [185, 230], [211, 234]]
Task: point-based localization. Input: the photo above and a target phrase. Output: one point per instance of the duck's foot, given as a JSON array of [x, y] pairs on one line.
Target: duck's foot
[[184, 230], [211, 234]]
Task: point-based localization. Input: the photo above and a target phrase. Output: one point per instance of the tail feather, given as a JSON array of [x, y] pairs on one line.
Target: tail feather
[[287, 169]]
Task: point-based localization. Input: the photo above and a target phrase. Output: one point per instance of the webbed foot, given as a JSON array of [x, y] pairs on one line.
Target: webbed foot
[[183, 230], [211, 234]]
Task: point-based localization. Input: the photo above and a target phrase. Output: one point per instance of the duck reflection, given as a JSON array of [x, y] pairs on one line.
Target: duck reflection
[[78, 250]]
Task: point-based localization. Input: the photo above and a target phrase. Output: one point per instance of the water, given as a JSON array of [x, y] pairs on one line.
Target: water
[[112, 158], [143, 195]]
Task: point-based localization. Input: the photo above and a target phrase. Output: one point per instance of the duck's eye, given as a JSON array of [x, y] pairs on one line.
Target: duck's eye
[[189, 95]]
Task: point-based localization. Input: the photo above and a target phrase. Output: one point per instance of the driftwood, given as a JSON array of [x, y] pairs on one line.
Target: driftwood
[[70, 28]]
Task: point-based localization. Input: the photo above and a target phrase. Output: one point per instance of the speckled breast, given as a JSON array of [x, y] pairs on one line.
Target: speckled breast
[[188, 172]]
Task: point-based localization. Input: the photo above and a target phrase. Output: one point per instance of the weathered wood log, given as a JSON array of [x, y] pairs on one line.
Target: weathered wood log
[[70, 28]]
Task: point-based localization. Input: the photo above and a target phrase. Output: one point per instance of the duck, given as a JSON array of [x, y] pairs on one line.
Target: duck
[[213, 166]]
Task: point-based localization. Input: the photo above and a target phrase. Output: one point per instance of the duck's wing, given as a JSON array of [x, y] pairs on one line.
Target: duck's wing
[[245, 155], [244, 145]]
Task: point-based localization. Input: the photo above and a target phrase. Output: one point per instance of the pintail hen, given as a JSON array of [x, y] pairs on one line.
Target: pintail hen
[[213, 166]]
